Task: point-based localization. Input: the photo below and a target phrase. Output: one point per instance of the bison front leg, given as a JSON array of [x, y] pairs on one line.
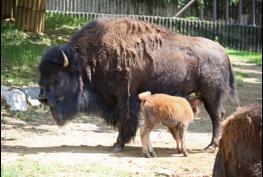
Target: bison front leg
[[122, 124], [127, 111], [127, 123]]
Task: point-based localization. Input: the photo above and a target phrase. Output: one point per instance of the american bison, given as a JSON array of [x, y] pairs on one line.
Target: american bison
[[240, 147], [174, 112], [108, 62]]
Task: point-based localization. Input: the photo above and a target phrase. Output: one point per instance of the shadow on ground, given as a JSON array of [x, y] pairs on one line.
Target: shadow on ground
[[129, 151]]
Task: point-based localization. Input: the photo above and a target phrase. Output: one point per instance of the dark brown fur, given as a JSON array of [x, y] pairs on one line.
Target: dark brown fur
[[240, 148], [123, 57]]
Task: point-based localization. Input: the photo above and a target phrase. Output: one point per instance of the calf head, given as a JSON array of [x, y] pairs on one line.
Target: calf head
[[195, 103], [60, 82]]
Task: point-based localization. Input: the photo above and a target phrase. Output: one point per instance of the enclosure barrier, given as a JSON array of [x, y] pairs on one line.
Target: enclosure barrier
[[238, 37], [30, 15], [8, 9]]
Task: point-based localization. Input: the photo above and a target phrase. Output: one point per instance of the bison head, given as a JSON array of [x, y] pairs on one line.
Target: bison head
[[60, 85]]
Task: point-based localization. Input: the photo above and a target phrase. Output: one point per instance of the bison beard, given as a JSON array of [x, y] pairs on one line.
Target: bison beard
[[108, 62]]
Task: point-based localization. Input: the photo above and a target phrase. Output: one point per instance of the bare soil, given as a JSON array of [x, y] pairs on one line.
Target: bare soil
[[89, 139]]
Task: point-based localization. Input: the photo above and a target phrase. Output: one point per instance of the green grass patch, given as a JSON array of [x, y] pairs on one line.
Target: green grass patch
[[30, 168], [26, 168], [21, 51], [252, 57]]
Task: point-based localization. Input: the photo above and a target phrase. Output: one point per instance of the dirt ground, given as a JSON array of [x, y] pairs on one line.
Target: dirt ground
[[89, 140]]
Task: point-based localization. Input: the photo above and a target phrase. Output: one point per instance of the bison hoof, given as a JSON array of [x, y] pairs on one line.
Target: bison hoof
[[153, 154], [210, 148], [117, 148], [147, 155]]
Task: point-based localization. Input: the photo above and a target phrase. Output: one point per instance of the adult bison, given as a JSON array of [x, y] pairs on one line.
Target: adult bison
[[108, 62], [240, 148]]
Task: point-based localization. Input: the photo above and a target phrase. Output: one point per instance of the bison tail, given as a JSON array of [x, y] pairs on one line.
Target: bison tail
[[233, 92], [142, 96]]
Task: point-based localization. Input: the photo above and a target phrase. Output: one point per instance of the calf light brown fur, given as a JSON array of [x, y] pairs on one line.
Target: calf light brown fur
[[174, 112], [240, 148]]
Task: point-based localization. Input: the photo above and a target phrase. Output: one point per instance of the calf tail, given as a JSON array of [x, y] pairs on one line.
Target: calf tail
[[233, 92], [142, 96]]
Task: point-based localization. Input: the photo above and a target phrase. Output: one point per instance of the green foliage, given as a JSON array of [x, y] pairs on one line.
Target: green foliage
[[21, 51], [252, 57], [29, 168], [234, 2], [192, 18], [23, 168]]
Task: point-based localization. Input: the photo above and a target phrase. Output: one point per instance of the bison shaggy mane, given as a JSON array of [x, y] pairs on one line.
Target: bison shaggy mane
[[240, 148]]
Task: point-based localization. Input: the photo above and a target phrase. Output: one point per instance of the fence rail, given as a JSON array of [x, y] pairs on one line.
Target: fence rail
[[238, 37], [112, 7]]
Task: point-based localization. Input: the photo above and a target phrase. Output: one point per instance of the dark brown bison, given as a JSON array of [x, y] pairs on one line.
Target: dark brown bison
[[108, 62], [240, 147]]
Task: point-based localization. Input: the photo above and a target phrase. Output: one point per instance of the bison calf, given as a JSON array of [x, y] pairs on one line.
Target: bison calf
[[173, 112], [240, 147]]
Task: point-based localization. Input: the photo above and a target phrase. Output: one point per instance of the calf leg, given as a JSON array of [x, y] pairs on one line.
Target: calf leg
[[181, 130], [149, 125], [150, 147], [176, 136], [144, 131]]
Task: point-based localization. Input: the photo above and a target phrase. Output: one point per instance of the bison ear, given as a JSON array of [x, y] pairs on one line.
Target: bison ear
[[65, 59]]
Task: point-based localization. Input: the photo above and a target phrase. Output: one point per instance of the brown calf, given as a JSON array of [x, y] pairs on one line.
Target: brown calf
[[240, 147], [174, 112]]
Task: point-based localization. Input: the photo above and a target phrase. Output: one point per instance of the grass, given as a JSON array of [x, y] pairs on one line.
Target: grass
[[31, 168], [252, 57], [21, 51]]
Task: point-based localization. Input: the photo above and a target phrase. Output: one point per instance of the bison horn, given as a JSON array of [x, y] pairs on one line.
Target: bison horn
[[65, 59]]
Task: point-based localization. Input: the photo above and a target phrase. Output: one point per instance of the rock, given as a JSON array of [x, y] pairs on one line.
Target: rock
[[31, 92], [15, 99], [33, 102], [32, 95]]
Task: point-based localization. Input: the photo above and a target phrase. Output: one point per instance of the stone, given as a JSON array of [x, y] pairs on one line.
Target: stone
[[32, 95], [14, 98]]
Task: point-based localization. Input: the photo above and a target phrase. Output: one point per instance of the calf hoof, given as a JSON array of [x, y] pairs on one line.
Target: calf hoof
[[185, 154], [117, 148], [211, 148]]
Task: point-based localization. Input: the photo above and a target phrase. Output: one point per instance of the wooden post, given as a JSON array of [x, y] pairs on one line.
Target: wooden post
[[240, 6], [254, 12], [214, 11], [30, 15], [8, 8], [184, 8], [227, 12]]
